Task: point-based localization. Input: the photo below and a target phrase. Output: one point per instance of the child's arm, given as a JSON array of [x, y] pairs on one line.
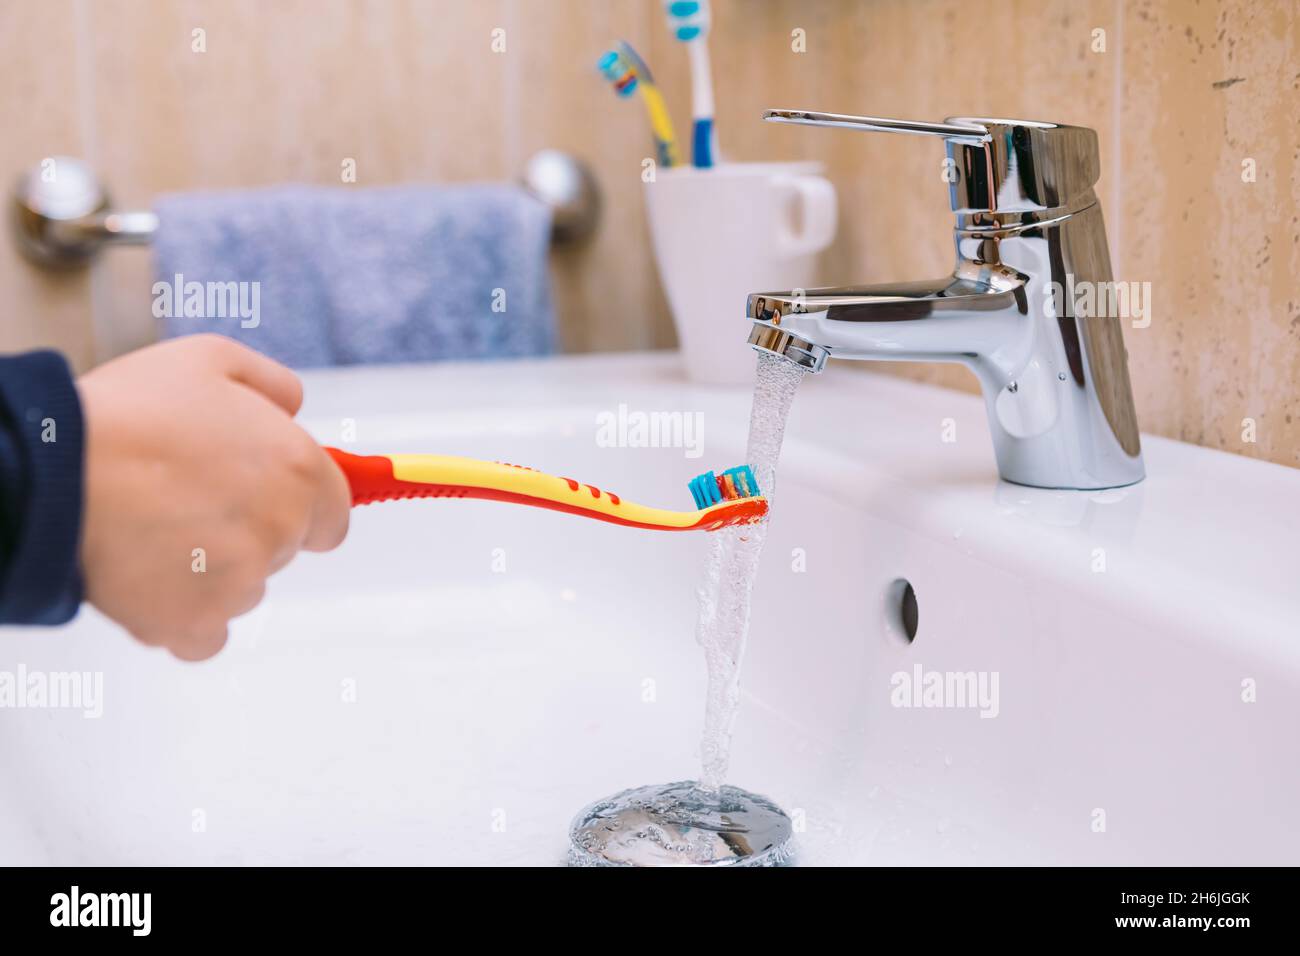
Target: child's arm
[[197, 487], [40, 489]]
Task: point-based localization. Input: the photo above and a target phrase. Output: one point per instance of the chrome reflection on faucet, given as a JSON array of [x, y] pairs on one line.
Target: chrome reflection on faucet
[[1028, 222]]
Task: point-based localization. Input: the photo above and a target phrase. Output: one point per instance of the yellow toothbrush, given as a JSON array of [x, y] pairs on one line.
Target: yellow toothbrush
[[624, 68]]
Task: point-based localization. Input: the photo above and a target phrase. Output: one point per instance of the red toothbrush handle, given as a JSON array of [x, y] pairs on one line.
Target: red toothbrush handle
[[371, 479]]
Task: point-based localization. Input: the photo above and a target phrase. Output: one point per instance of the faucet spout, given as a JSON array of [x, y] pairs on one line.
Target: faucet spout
[[972, 320]]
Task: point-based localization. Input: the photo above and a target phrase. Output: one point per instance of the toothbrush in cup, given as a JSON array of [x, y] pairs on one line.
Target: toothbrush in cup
[[690, 20], [625, 69], [721, 501]]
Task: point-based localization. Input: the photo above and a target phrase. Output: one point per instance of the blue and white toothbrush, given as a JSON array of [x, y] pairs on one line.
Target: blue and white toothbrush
[[689, 21]]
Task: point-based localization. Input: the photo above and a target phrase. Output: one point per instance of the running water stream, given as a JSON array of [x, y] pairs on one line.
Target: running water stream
[[708, 822], [722, 628]]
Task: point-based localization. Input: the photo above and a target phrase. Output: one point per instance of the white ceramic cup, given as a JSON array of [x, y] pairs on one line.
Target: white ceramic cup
[[720, 234]]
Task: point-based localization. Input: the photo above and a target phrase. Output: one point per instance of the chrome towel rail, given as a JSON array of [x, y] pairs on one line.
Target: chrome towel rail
[[62, 214]]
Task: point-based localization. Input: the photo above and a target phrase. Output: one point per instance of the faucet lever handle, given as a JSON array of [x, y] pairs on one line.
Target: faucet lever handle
[[971, 134], [997, 165]]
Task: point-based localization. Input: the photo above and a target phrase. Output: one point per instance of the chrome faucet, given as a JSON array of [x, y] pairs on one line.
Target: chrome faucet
[[1029, 237]]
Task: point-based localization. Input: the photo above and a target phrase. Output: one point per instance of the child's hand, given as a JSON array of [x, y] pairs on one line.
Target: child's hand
[[191, 445]]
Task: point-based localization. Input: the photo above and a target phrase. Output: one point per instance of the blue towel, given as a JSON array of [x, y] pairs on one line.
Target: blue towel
[[315, 276]]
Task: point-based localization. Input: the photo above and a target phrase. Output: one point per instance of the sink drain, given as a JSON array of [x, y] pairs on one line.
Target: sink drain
[[678, 824]]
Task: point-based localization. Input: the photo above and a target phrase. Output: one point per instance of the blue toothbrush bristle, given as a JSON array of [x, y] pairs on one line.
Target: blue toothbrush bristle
[[608, 64], [708, 489], [688, 18], [617, 70], [704, 489]]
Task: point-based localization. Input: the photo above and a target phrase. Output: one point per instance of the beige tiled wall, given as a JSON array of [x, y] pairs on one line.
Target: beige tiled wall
[[1183, 93], [39, 117]]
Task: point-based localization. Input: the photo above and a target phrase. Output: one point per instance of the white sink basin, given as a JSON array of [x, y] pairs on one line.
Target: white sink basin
[[404, 700]]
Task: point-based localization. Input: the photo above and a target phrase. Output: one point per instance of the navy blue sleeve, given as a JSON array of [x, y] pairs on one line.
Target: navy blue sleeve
[[41, 453]]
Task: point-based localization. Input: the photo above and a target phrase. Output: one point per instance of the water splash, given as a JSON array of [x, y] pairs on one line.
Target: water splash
[[728, 581]]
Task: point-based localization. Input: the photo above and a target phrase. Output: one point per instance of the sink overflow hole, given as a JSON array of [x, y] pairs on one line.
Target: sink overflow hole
[[901, 610]]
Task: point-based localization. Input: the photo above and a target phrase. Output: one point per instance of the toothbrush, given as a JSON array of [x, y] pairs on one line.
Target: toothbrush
[[689, 20], [731, 498], [623, 67]]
